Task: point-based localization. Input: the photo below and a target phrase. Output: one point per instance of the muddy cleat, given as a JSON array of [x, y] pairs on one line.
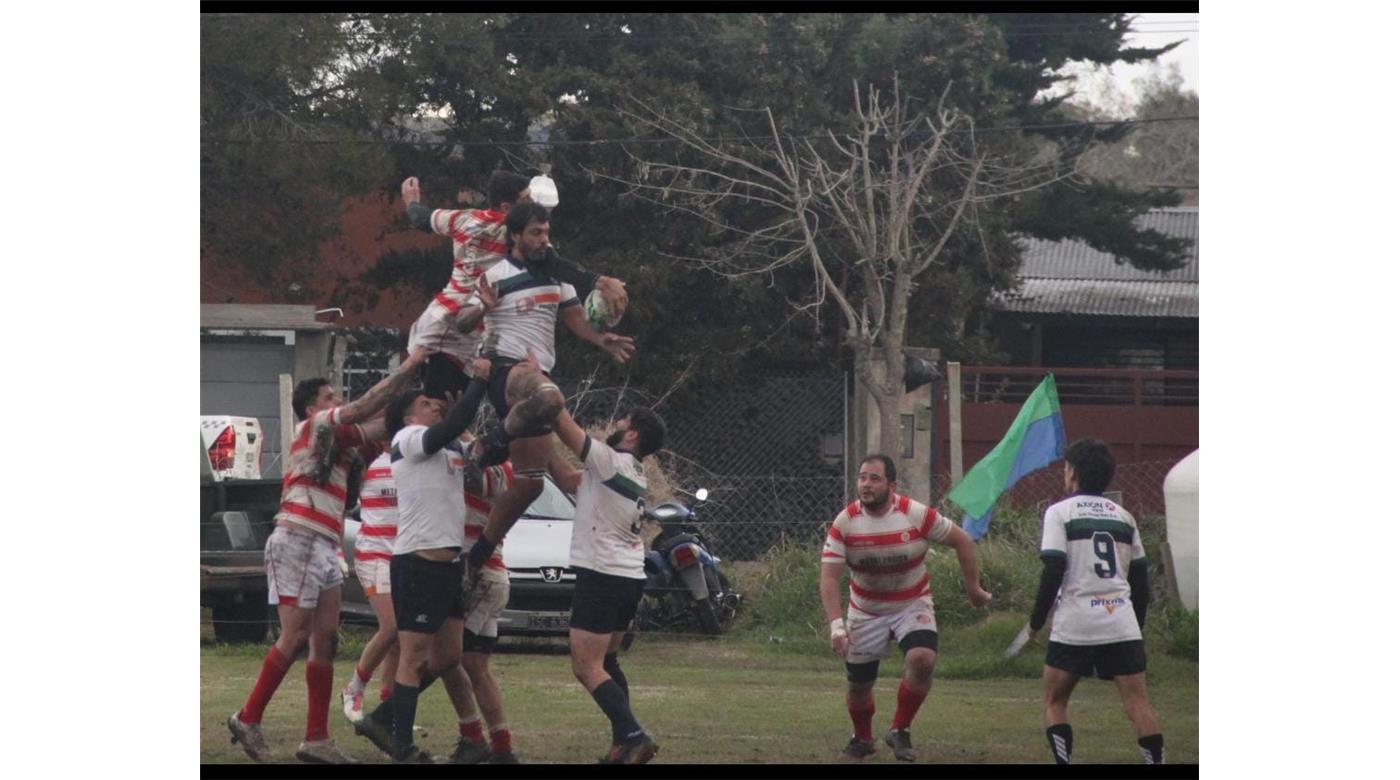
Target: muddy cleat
[[352, 704], [469, 752], [507, 757], [903, 746], [535, 415], [614, 755], [414, 755], [376, 732], [856, 750], [251, 737], [639, 752], [323, 751]]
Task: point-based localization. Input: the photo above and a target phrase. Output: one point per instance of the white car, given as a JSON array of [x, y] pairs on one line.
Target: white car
[[537, 556]]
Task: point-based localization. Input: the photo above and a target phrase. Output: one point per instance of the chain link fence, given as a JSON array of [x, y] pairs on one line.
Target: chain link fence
[[1136, 486]]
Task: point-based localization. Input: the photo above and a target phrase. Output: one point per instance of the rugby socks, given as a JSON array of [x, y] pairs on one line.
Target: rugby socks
[[358, 681], [384, 713], [1061, 738], [405, 707], [861, 714], [613, 702], [386, 689], [470, 729], [614, 671], [908, 703], [318, 700], [500, 739], [1151, 747], [274, 668]]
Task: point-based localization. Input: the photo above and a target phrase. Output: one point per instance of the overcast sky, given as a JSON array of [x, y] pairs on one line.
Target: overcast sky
[[1151, 30]]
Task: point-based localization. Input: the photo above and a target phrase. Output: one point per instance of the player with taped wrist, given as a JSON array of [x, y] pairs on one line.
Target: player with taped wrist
[[1085, 542], [883, 539]]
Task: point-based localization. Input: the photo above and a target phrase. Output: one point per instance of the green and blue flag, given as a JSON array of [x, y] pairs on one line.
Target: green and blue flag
[[1035, 440]]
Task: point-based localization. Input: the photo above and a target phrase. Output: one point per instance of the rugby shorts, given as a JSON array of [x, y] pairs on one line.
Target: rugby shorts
[[372, 571], [1104, 661], [485, 602], [870, 635], [604, 603], [425, 592], [300, 565]]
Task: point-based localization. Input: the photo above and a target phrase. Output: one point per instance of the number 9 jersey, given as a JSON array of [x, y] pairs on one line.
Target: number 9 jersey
[[1098, 539]]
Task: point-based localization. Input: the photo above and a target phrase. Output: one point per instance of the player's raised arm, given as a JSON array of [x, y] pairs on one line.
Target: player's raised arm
[[376, 398], [620, 348], [569, 432]]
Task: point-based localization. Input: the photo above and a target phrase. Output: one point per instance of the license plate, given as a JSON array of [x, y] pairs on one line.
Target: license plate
[[549, 622]]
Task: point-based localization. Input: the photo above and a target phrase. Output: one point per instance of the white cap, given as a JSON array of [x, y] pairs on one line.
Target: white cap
[[543, 191]]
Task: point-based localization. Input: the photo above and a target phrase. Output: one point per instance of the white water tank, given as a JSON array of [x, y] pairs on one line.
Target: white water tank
[[1182, 489]]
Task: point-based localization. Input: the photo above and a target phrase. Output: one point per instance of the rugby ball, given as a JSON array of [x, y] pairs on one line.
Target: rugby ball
[[601, 314]]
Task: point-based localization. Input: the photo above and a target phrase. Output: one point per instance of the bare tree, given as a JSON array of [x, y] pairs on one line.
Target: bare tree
[[872, 212]]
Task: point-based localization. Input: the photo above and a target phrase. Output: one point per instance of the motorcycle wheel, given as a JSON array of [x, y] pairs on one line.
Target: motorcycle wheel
[[709, 621]]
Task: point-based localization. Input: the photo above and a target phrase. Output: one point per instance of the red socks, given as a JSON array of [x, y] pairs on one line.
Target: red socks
[[274, 668], [861, 714], [909, 702], [318, 700], [471, 731], [500, 740]]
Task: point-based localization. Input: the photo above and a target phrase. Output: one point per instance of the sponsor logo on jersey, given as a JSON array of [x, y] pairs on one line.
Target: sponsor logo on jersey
[[1108, 604]]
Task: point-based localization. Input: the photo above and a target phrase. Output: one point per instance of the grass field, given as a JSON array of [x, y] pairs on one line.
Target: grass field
[[740, 698]]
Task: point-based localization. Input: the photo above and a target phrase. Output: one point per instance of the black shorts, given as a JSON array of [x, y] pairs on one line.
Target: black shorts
[[496, 390], [475, 643], [1103, 661], [441, 376], [604, 603], [425, 592]]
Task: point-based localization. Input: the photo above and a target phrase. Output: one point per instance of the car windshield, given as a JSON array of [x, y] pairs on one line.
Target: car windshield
[[552, 504]]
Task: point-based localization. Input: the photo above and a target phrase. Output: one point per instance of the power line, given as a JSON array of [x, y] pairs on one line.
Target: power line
[[667, 139]]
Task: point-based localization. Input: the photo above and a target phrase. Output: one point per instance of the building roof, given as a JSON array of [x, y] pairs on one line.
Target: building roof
[[1070, 277], [259, 316]]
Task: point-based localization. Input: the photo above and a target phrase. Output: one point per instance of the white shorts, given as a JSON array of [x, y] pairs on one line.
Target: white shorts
[[436, 328], [373, 575], [484, 605], [870, 635], [300, 565]]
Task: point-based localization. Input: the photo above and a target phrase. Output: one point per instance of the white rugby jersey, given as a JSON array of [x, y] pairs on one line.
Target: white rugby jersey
[[886, 553], [525, 316], [379, 512], [496, 479], [608, 525], [432, 509], [320, 506], [478, 242], [1098, 539]]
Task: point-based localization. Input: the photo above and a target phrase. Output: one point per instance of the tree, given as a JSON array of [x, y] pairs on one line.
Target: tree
[[1163, 150], [870, 214]]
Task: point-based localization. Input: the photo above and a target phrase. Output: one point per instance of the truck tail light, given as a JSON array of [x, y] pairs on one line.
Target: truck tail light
[[221, 451]]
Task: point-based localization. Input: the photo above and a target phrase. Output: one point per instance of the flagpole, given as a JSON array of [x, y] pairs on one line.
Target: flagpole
[[955, 448]]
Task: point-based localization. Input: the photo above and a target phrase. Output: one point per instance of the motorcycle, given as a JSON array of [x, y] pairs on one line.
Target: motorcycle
[[683, 579]]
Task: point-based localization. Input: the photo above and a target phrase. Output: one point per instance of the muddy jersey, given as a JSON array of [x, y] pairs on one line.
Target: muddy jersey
[[311, 499], [526, 312], [495, 481], [885, 553], [1098, 539]]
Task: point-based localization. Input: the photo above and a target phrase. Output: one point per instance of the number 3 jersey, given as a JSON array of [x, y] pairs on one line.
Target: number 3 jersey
[[1098, 540]]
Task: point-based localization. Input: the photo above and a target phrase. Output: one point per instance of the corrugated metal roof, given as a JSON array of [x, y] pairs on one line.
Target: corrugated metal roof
[[1070, 277], [1077, 260], [1105, 297]]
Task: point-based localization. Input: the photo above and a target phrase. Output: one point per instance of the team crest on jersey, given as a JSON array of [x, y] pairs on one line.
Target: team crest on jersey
[[1108, 604], [904, 536], [525, 304], [924, 619]]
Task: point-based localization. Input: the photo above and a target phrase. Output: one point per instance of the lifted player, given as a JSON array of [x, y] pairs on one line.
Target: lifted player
[[1086, 541], [883, 538]]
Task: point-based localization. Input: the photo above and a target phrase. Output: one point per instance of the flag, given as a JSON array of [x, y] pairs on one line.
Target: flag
[[1035, 440]]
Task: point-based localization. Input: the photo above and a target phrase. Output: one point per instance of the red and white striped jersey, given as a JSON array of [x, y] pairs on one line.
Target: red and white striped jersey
[[478, 241], [886, 553], [320, 506], [379, 512], [497, 480]]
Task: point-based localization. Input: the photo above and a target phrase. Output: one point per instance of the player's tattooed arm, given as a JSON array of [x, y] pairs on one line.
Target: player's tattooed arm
[[376, 398], [483, 300]]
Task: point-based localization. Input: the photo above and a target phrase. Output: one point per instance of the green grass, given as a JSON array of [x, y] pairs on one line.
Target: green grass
[[770, 691], [734, 699]]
